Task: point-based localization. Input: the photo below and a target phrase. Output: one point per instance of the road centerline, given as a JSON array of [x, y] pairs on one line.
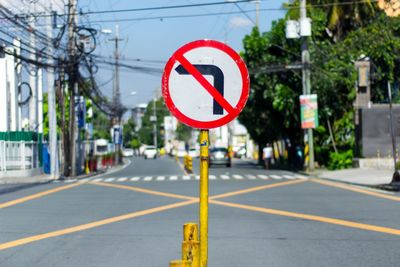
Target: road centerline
[[349, 224], [355, 189], [78, 228], [38, 195]]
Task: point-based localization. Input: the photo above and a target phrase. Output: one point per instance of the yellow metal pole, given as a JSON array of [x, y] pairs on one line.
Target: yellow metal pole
[[204, 142]]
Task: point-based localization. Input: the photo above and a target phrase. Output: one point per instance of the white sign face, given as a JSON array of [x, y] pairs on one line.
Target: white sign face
[[205, 84]]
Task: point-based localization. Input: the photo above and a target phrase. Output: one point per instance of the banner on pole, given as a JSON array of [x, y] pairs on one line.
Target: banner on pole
[[309, 111]]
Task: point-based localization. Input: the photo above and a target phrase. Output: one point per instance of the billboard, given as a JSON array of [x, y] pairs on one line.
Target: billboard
[[309, 111]]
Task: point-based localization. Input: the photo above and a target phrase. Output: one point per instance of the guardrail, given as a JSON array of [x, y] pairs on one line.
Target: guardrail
[[20, 155]]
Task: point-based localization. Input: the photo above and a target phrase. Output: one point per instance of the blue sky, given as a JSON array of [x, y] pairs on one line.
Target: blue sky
[[154, 40]]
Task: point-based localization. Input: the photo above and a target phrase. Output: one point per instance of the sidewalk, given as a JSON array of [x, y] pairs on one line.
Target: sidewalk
[[377, 178], [45, 178]]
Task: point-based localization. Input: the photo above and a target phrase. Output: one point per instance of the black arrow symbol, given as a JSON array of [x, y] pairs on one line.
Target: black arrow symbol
[[218, 76]]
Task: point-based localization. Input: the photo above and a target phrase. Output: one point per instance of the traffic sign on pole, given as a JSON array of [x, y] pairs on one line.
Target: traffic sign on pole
[[205, 84]]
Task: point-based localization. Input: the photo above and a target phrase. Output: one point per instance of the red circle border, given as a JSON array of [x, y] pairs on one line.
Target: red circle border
[[243, 97]]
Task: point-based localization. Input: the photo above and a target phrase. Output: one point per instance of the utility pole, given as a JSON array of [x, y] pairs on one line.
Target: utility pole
[[72, 85], [33, 75], [117, 93], [306, 77], [155, 123], [54, 170]]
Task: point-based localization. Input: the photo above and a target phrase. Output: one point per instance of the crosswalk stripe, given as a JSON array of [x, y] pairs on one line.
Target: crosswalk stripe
[[262, 176], [84, 180], [238, 177], [197, 177], [160, 178], [123, 179], [277, 177], [147, 178], [135, 179], [109, 180], [186, 177], [290, 177], [212, 177], [225, 177], [97, 180], [251, 177], [301, 177], [173, 178], [71, 181]]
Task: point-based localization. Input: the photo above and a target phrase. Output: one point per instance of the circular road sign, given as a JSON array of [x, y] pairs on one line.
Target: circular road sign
[[205, 84]]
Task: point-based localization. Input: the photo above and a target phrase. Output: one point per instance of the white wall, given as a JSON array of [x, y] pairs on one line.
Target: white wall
[[3, 97]]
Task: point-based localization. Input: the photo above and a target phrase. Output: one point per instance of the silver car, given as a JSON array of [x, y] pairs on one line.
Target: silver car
[[219, 156]]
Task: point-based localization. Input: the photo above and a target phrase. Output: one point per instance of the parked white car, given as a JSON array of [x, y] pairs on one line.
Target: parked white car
[[194, 152], [127, 152], [150, 152]]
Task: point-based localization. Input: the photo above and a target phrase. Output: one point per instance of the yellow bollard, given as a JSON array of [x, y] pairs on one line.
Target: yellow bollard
[[191, 244], [190, 232], [87, 170], [204, 142], [179, 263], [191, 252]]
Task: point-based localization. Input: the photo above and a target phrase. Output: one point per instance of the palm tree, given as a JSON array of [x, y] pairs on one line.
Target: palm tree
[[345, 15]]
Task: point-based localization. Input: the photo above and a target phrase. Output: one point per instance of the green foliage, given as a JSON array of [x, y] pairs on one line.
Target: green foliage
[[101, 125], [183, 132], [129, 131], [341, 160], [341, 34], [146, 131]]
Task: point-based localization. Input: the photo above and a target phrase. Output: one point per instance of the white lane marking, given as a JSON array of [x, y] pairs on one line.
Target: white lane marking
[[173, 178], [225, 177], [109, 180], [160, 178], [301, 177], [277, 177], [98, 180], [212, 177], [262, 176], [237, 177], [147, 178], [71, 180], [186, 177], [123, 179], [288, 177], [251, 177], [197, 177], [135, 179]]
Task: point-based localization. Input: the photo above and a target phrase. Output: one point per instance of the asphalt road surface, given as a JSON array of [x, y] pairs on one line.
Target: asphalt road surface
[[257, 217]]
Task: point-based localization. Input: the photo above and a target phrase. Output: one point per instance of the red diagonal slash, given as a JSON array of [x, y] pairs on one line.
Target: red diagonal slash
[[203, 81]]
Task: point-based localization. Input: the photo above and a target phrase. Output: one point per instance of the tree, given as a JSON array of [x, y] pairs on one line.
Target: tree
[[183, 133], [343, 16], [146, 131], [129, 134]]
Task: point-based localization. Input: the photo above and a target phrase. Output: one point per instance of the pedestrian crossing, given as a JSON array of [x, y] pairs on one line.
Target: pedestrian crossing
[[174, 178]]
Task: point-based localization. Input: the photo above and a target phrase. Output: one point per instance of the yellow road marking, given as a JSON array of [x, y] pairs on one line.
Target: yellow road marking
[[37, 195], [328, 220], [142, 190], [355, 189], [87, 226], [258, 188]]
